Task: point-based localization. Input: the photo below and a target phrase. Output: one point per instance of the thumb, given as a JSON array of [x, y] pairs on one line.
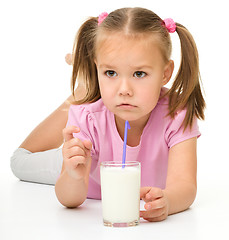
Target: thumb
[[144, 191], [68, 132], [87, 144]]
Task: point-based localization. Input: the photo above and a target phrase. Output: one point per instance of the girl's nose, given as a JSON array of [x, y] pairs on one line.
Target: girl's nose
[[125, 88]]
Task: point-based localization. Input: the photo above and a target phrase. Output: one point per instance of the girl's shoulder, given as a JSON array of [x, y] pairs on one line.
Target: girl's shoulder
[[163, 98], [163, 105], [89, 108], [173, 127], [89, 112]]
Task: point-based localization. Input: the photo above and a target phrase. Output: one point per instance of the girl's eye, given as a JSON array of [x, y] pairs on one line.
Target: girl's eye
[[111, 73], [139, 74]]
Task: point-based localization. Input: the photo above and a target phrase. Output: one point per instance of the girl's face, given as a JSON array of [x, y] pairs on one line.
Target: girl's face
[[131, 73]]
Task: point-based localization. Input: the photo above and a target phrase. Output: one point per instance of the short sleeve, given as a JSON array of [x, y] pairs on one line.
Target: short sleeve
[[175, 130], [80, 117]]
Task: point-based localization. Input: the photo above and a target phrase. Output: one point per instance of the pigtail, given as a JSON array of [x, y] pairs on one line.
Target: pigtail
[[186, 90], [84, 68]]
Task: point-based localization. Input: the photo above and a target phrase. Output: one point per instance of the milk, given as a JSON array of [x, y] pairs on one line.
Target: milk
[[120, 188]]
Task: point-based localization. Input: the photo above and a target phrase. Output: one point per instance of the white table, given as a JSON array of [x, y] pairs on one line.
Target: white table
[[31, 211]]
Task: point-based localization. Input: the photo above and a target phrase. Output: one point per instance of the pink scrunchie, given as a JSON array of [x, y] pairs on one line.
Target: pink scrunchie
[[102, 16], [170, 25]]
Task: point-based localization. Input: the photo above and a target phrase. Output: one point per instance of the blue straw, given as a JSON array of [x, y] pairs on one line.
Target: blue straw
[[127, 126]]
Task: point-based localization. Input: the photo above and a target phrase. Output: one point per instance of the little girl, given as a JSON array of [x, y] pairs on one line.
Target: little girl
[[122, 62]]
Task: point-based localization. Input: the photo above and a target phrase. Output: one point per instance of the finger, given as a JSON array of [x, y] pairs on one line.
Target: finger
[[73, 162], [68, 58], [152, 213], [144, 191], [156, 204], [156, 219], [154, 194], [73, 143], [88, 147], [87, 144], [74, 151], [68, 132], [76, 160]]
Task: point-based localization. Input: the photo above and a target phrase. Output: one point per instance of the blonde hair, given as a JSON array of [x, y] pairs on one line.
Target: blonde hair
[[185, 91]]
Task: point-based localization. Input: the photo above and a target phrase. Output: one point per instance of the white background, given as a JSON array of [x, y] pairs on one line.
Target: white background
[[36, 35]]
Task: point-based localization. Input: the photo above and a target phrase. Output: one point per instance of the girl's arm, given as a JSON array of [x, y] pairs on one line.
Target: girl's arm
[[181, 183], [48, 134], [72, 185], [38, 159], [180, 191]]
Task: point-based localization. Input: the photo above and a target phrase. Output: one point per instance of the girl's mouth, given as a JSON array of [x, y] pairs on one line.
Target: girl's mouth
[[126, 106]]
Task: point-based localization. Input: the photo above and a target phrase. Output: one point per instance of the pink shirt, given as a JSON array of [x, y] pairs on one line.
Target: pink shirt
[[97, 124]]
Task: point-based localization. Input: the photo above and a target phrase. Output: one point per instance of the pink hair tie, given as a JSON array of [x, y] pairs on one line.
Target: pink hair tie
[[170, 25], [102, 16]]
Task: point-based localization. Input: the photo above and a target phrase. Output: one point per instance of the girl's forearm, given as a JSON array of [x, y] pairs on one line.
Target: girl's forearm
[[180, 196], [71, 192], [48, 134]]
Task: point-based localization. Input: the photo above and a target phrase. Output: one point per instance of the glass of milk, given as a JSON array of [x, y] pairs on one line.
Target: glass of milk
[[120, 189]]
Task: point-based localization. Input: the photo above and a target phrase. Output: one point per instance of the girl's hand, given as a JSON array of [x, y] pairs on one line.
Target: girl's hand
[[76, 153], [156, 204], [68, 58]]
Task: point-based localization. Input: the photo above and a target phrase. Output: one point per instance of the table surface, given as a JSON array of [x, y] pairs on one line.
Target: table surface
[[32, 211]]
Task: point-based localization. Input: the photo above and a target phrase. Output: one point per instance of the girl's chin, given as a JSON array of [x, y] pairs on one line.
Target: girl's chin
[[127, 117]]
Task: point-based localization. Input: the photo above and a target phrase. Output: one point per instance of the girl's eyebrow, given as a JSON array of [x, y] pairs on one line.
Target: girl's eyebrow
[[106, 66], [142, 66], [134, 67]]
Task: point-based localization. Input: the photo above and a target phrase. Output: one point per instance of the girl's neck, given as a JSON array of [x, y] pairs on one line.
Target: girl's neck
[[135, 131]]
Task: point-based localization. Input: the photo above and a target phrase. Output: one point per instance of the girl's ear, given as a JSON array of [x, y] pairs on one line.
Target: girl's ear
[[168, 72]]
